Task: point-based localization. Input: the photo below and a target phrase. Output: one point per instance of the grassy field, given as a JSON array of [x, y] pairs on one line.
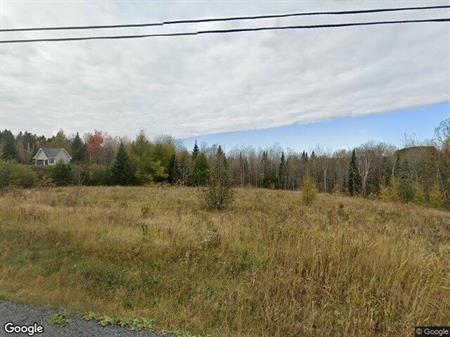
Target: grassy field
[[267, 267]]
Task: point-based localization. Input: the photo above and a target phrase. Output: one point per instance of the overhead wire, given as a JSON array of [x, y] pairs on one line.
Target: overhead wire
[[224, 31], [222, 19]]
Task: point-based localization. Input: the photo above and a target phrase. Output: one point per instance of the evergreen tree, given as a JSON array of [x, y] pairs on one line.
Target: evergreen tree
[[78, 149], [146, 167], [304, 156], [219, 194], [269, 178], [195, 151], [9, 149], [282, 172], [62, 174], [173, 174], [354, 179], [200, 170], [122, 172]]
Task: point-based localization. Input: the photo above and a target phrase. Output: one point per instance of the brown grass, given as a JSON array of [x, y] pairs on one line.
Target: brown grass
[[268, 267]]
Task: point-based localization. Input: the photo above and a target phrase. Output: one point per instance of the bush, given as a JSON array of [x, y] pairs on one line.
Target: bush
[[23, 176], [12, 174], [44, 175], [309, 191], [99, 175], [62, 174], [5, 174]]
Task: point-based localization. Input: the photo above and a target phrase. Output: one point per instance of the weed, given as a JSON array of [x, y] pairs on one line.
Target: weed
[[59, 320]]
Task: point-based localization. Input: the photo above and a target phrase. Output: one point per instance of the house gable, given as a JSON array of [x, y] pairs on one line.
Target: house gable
[[64, 156], [40, 155]]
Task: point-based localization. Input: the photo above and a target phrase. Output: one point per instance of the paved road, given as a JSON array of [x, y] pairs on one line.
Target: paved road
[[26, 314]]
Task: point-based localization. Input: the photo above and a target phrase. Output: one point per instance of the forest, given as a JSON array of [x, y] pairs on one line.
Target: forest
[[419, 172]]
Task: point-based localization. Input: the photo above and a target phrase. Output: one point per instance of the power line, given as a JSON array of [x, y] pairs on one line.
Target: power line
[[236, 18], [225, 31]]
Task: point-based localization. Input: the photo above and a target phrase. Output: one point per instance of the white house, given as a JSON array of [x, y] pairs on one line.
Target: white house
[[50, 156]]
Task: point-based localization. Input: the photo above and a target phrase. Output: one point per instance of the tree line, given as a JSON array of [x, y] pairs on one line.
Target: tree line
[[417, 173]]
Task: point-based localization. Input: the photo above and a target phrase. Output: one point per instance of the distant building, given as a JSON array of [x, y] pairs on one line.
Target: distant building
[[51, 156]]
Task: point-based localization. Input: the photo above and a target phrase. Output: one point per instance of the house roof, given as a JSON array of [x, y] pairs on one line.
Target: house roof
[[52, 152]]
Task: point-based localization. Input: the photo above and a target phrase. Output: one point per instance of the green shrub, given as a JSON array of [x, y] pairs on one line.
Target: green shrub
[[62, 174], [23, 176], [13, 174], [98, 175], [5, 174], [44, 175], [59, 320]]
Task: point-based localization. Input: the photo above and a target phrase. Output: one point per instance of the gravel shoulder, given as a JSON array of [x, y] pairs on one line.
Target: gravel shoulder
[[21, 314]]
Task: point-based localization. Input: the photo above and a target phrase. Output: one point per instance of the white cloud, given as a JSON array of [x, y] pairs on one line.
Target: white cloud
[[187, 86]]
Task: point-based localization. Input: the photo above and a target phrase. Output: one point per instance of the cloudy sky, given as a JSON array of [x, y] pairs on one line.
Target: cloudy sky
[[192, 86]]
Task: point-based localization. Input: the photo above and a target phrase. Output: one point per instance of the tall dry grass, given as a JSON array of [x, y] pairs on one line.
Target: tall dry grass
[[268, 267]]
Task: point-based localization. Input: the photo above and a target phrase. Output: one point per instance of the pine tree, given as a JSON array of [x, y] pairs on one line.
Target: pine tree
[[122, 172], [62, 174], [173, 174], [195, 151], [200, 170], [9, 149], [269, 177], [78, 149], [219, 194], [282, 173], [354, 179], [304, 156]]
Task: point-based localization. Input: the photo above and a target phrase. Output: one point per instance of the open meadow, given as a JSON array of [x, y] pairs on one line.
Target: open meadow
[[268, 266]]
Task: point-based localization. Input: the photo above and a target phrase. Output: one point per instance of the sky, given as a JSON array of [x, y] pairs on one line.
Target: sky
[[397, 128], [247, 88]]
